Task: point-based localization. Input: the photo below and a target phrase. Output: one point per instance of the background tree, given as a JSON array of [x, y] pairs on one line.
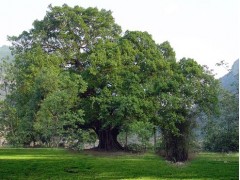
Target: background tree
[[221, 132], [8, 119]]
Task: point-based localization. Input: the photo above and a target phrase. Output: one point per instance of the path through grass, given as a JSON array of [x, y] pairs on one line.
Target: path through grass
[[62, 164]]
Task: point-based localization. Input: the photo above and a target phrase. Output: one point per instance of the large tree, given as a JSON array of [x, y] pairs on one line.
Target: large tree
[[119, 76], [88, 39], [188, 90], [76, 71]]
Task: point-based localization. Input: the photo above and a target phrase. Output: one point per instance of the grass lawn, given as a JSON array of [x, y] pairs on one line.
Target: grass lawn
[[62, 164]]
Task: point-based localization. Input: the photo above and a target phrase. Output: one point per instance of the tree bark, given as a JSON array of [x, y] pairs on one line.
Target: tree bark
[[108, 139], [126, 139], [155, 137], [177, 146]]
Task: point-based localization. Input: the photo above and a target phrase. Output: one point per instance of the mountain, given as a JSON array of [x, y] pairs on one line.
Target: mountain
[[5, 52], [230, 81]]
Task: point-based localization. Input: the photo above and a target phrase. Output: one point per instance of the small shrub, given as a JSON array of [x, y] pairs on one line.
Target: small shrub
[[136, 148]]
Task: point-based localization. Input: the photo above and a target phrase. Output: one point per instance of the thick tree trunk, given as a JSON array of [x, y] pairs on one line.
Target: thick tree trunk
[[108, 139], [177, 146]]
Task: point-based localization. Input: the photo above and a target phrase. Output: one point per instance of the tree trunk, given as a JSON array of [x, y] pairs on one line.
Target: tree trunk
[[126, 139], [177, 146], [108, 139], [155, 137]]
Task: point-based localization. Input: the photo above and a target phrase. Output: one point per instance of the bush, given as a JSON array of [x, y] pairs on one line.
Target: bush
[[159, 145], [136, 148]]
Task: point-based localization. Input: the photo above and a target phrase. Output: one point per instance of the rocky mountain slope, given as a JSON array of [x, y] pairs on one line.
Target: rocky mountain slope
[[230, 81]]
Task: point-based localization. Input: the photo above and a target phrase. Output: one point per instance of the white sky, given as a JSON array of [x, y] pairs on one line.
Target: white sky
[[205, 30]]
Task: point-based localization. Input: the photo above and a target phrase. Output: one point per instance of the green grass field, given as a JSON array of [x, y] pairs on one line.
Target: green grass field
[[62, 164]]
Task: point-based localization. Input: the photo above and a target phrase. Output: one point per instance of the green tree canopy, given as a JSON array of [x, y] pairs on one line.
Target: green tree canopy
[[76, 71], [188, 92]]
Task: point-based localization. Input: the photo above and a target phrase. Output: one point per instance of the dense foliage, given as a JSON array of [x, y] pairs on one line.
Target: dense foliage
[[74, 71], [221, 132]]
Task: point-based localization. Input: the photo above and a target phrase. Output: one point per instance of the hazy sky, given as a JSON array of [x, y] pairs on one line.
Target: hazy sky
[[206, 30]]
